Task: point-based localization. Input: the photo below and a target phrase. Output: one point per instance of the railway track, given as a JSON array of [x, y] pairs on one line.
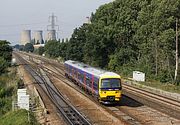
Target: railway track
[[59, 72], [148, 93], [131, 119], [166, 104], [70, 114], [61, 76]]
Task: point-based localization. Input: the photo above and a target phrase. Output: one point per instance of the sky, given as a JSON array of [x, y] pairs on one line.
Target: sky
[[18, 15]]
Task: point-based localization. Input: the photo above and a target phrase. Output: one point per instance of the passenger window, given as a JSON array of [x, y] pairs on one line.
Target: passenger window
[[95, 85], [88, 81], [82, 78], [78, 76]]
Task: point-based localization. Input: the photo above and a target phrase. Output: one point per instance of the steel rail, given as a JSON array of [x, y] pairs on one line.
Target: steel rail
[[152, 95]]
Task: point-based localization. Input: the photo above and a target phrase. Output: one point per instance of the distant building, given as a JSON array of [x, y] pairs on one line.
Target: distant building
[[38, 37], [38, 45], [25, 37]]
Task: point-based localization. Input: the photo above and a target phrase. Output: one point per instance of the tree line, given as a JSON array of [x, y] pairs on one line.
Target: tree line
[[6, 90], [5, 55], [124, 36]]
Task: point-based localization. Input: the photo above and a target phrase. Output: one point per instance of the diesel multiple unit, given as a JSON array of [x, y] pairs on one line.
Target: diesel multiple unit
[[104, 85]]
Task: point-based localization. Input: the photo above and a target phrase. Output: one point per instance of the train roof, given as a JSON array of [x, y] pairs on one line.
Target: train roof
[[91, 70]]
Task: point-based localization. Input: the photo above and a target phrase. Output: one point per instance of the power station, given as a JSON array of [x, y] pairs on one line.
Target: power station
[[25, 37], [37, 39]]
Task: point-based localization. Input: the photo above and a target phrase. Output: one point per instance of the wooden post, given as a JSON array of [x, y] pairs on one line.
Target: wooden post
[[177, 58], [156, 51]]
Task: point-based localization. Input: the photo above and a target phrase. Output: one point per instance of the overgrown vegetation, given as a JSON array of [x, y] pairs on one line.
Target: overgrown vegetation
[[19, 117], [8, 88], [5, 55]]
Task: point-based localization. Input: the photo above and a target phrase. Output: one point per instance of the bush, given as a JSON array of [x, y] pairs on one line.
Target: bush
[[41, 50], [29, 47], [20, 84], [3, 65], [2, 92], [5, 105], [164, 77]]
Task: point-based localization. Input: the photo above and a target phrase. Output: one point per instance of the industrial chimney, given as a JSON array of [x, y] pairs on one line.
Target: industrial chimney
[[38, 37], [25, 37]]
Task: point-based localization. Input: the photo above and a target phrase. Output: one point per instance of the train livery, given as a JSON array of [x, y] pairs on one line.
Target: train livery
[[104, 85]]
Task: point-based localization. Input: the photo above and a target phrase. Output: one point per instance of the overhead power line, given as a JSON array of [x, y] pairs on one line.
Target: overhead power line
[[15, 25]]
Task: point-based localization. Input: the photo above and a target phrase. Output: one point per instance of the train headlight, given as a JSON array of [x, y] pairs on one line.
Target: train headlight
[[103, 92], [117, 92]]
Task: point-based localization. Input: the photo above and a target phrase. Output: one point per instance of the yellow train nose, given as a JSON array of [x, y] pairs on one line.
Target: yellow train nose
[[110, 93]]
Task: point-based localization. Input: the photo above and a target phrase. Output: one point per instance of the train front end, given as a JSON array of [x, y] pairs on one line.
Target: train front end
[[110, 88]]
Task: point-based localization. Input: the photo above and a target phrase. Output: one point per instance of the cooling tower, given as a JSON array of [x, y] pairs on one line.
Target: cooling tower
[[51, 35], [38, 37], [25, 37]]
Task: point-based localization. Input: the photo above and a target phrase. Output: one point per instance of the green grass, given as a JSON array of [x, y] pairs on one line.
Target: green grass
[[158, 85], [19, 117], [163, 86]]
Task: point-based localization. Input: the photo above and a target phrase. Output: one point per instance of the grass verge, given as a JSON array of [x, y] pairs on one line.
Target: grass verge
[[169, 87], [19, 117]]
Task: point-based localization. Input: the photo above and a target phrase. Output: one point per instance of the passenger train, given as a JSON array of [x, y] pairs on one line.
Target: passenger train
[[104, 85]]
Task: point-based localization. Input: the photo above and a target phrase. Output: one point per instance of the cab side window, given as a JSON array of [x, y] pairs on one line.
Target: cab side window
[[88, 81], [95, 84]]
